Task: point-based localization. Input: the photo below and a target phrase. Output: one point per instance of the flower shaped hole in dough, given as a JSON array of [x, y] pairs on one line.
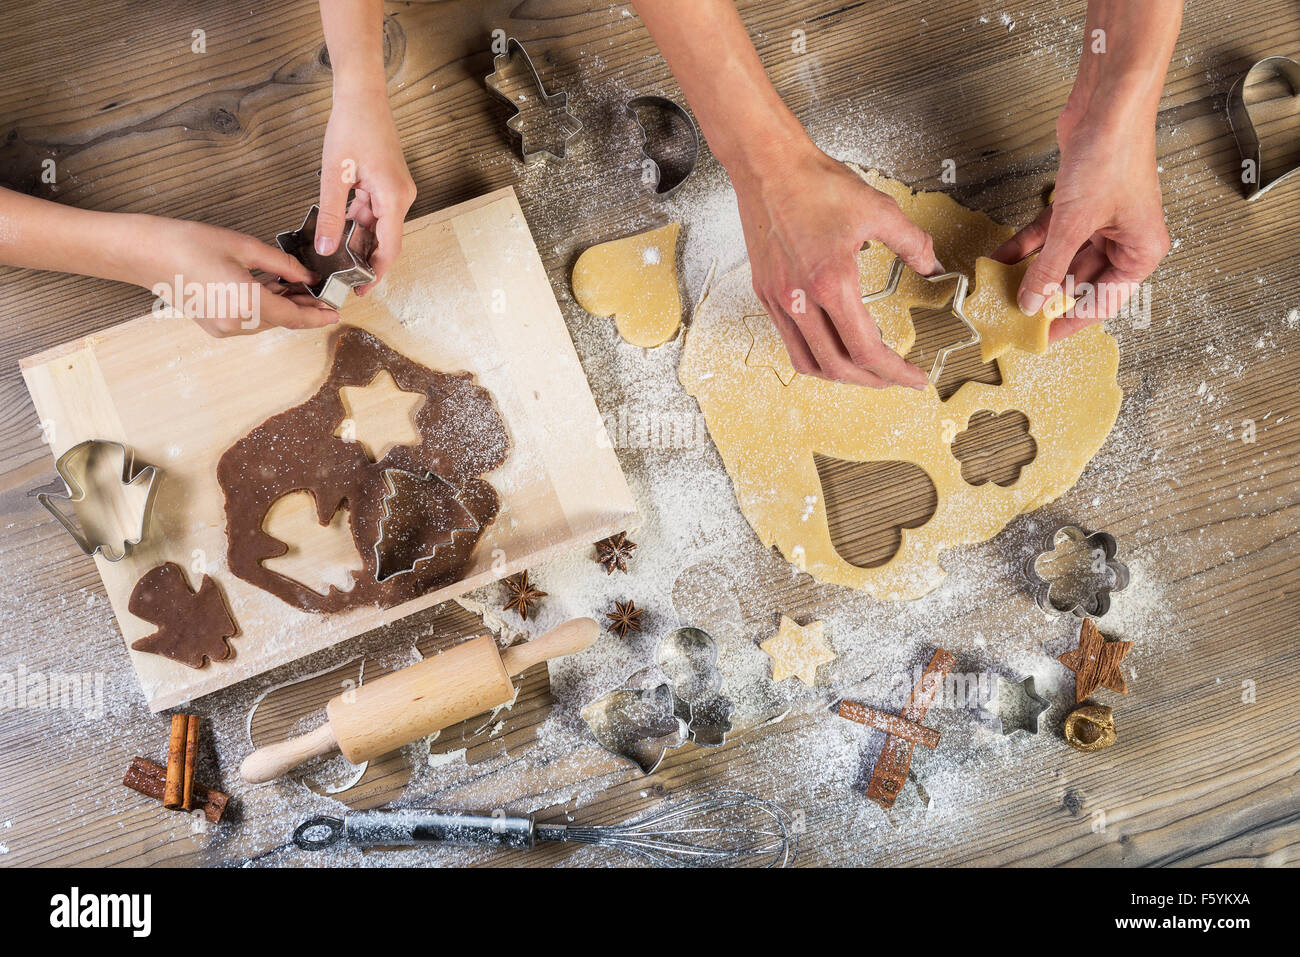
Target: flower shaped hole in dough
[[770, 434]]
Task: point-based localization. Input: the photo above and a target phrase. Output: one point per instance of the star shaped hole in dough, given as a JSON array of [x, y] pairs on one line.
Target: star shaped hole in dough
[[379, 416], [798, 650]]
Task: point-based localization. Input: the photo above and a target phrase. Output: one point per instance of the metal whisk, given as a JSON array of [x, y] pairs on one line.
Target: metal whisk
[[722, 829]]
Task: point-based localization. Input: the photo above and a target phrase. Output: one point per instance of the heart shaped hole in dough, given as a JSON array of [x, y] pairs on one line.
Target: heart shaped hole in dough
[[868, 504]]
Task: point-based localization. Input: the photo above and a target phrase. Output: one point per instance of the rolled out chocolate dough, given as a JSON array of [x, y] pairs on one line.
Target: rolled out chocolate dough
[[461, 435]]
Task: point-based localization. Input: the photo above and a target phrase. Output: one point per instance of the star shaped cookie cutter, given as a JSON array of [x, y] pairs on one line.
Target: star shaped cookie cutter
[[1024, 714], [558, 102], [957, 308], [348, 266], [72, 467]]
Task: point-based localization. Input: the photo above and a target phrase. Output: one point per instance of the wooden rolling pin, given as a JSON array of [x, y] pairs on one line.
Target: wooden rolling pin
[[469, 679]]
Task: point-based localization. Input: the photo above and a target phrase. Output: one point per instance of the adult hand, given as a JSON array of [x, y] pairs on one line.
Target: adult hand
[[805, 219], [221, 262], [362, 153]]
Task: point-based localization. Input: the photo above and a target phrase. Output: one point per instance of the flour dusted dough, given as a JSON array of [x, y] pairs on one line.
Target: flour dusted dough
[[633, 279], [767, 432]]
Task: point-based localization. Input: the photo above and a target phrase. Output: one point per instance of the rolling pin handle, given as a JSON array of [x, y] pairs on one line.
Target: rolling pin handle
[[276, 760], [566, 639]]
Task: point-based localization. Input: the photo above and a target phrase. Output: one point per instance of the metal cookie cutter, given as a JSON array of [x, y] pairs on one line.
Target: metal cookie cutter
[[639, 725], [73, 467], [502, 64], [666, 185], [1104, 549], [1024, 713], [346, 268], [689, 657], [957, 308], [643, 721], [393, 495], [1243, 127]]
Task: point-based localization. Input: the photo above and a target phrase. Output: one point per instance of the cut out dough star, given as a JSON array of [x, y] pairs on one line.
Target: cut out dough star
[[379, 415], [768, 351], [797, 650], [1002, 326], [1096, 662]]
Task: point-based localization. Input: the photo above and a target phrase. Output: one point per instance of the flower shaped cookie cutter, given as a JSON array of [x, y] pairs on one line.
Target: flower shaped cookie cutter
[[645, 719], [1105, 565]]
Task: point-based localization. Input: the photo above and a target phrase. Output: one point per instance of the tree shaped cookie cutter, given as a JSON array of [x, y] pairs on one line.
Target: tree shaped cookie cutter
[[1104, 549], [502, 64], [73, 466], [956, 307], [347, 268], [1243, 126], [386, 514]]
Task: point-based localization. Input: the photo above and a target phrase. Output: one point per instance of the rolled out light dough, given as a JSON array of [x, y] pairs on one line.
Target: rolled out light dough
[[633, 279], [768, 432]]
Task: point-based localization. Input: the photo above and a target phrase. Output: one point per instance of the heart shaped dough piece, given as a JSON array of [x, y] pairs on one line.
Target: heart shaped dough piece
[[633, 279]]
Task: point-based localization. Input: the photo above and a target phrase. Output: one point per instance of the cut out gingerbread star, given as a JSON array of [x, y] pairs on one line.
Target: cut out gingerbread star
[[1095, 662], [797, 650]]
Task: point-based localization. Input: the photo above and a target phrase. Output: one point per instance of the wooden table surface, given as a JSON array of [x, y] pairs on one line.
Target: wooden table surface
[[1208, 769]]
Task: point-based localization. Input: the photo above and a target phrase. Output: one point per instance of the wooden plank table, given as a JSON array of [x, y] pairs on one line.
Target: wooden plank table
[[1207, 770]]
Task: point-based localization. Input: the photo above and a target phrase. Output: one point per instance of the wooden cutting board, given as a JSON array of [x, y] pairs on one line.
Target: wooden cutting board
[[470, 293]]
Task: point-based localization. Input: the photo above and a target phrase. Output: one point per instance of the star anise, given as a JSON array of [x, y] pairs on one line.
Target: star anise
[[523, 594], [625, 617], [613, 552]]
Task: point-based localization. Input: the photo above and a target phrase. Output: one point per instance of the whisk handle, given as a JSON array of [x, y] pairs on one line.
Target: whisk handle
[[407, 827]]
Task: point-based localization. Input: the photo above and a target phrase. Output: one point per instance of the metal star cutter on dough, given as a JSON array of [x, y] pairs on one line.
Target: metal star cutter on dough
[[957, 308], [341, 272]]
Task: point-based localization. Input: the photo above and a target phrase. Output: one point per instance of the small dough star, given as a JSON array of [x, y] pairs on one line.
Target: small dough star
[[1096, 662], [797, 650]]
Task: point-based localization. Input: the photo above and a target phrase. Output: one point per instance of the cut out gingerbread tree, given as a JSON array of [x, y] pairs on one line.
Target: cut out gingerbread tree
[[192, 626]]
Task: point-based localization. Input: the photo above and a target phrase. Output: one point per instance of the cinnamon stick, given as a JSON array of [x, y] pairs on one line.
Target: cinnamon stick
[[191, 757], [174, 792], [151, 780]]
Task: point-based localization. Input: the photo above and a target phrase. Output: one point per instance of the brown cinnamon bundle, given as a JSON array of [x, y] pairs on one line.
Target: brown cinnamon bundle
[[174, 785]]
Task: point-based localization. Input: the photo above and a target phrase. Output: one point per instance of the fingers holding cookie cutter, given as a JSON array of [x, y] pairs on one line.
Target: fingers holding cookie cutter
[[347, 268]]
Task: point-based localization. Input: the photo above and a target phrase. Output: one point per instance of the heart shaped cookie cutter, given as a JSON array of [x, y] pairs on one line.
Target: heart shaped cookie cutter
[[1243, 126]]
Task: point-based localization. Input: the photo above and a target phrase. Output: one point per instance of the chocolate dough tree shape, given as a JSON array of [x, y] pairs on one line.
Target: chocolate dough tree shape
[[192, 625], [461, 437]]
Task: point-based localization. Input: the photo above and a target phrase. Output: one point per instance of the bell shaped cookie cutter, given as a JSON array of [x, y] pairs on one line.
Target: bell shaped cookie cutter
[[1243, 127], [515, 55], [1096, 603], [956, 307], [72, 467], [637, 724], [665, 186], [347, 268]]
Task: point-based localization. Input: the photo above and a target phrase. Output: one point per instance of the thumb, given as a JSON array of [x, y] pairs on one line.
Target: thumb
[[1066, 235]]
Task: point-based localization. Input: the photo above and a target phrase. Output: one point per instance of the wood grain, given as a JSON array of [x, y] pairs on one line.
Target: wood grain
[[1205, 773]]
